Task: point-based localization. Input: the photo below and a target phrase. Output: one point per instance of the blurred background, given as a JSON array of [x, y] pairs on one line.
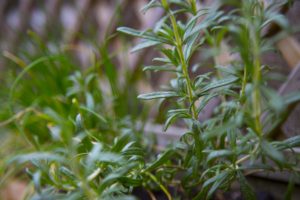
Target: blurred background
[[83, 29], [84, 33], [75, 25]]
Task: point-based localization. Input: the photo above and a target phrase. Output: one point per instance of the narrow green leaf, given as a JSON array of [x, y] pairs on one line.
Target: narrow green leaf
[[109, 157], [173, 114], [246, 189], [28, 68], [37, 181], [144, 44], [217, 84], [291, 98], [218, 154], [110, 70], [191, 23], [290, 189], [288, 143], [160, 68], [205, 101], [130, 31], [293, 141], [37, 156], [162, 159], [163, 60], [142, 34], [218, 183], [226, 69], [114, 176], [94, 113], [218, 131], [272, 152], [158, 95], [121, 142], [274, 100], [151, 4]]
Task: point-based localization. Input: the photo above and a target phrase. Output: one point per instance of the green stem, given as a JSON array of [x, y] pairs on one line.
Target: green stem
[[179, 48], [193, 6], [163, 188], [256, 81], [242, 94]]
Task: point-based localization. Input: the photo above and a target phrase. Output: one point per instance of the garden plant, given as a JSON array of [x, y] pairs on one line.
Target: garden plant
[[88, 142]]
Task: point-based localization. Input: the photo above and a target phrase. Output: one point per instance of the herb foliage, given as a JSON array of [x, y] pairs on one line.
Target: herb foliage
[[223, 148], [84, 140]]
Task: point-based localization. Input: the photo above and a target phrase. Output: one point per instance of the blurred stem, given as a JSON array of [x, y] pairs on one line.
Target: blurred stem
[[256, 81], [163, 188], [193, 6], [165, 4], [16, 116], [253, 29], [246, 157], [242, 94]]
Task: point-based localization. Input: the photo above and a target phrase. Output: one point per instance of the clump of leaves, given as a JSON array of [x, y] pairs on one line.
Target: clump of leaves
[[80, 140], [235, 140]]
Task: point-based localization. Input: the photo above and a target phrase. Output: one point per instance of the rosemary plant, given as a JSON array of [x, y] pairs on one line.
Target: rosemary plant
[[235, 140], [84, 143]]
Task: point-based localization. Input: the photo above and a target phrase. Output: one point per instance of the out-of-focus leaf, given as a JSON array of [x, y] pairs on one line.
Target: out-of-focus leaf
[[219, 154], [279, 19], [288, 143], [272, 152], [290, 189], [37, 181], [226, 69], [165, 157], [79, 122], [275, 101], [37, 156], [110, 70], [211, 184], [218, 182], [246, 189], [291, 98], [102, 119], [120, 143], [218, 130], [29, 67], [114, 176]]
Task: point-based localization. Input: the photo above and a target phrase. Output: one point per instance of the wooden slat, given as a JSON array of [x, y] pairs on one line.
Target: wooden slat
[[290, 50], [2, 9], [25, 8], [72, 34], [52, 16]]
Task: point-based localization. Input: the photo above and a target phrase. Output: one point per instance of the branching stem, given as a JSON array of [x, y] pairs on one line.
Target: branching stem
[[184, 65]]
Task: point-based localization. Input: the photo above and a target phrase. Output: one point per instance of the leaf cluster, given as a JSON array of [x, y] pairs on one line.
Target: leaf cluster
[[236, 137]]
